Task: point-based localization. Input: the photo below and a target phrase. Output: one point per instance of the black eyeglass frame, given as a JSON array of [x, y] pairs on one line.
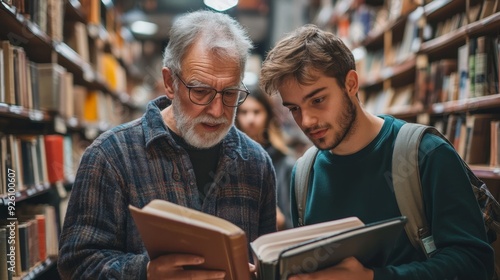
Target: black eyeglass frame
[[222, 92]]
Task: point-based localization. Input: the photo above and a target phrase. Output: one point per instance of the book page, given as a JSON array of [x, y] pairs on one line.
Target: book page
[[371, 244], [268, 247], [186, 215]]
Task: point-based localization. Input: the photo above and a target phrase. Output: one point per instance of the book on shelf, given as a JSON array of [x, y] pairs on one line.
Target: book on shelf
[[473, 14], [4, 267], [55, 19], [479, 131], [495, 143], [276, 255], [77, 39], [492, 74], [54, 155], [13, 159], [45, 231], [50, 86], [8, 65], [463, 72], [472, 66], [481, 69], [460, 136], [92, 9], [488, 8], [28, 160], [2, 76], [12, 248], [24, 244]]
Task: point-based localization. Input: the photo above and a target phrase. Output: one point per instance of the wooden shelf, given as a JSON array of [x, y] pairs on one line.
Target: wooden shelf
[[72, 11], [40, 269], [440, 9], [396, 72], [486, 172], [28, 192], [19, 120], [17, 112], [467, 105], [487, 25], [441, 45], [406, 112]]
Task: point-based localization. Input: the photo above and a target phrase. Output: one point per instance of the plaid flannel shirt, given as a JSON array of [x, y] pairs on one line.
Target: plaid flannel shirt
[[137, 162]]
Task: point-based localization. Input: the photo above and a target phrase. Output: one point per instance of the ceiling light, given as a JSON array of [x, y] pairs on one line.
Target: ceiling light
[[144, 27], [250, 79], [220, 5]]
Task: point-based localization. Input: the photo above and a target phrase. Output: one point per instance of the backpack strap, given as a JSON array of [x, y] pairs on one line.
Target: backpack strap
[[302, 170], [407, 185]]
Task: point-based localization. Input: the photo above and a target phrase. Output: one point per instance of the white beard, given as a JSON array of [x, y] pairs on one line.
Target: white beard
[[186, 127]]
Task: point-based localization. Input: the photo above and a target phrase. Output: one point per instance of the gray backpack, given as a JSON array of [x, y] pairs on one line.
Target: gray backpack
[[407, 187]]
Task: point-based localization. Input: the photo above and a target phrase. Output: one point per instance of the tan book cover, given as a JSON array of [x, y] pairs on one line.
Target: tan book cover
[[166, 227], [494, 144]]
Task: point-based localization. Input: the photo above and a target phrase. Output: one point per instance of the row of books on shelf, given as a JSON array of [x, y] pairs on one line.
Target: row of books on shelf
[[28, 240], [80, 30], [474, 73], [50, 16], [46, 86], [477, 11], [38, 160], [49, 87], [47, 15], [356, 22], [361, 24], [476, 137], [390, 100], [404, 42]]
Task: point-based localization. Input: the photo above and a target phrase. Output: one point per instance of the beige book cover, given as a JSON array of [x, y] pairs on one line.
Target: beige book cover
[[166, 228]]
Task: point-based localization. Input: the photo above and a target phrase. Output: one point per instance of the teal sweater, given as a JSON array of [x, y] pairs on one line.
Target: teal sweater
[[360, 185]]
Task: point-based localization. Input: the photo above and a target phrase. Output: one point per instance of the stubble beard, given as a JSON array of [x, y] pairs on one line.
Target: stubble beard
[[346, 125], [187, 127]]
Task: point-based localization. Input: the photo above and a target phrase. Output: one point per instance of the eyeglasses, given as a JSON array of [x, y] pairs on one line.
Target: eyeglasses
[[231, 97]]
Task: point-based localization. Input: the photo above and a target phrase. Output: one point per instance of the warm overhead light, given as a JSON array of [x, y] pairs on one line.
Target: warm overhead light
[[250, 79], [144, 27], [359, 53], [220, 5], [107, 3]]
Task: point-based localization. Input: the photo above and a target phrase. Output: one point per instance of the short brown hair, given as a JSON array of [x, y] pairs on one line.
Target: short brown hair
[[296, 55]]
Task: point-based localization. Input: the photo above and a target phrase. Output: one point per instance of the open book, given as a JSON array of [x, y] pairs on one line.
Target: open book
[[314, 247], [166, 228]]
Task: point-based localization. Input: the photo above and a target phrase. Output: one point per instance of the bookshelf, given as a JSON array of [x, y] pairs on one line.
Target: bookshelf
[[54, 100], [412, 68]]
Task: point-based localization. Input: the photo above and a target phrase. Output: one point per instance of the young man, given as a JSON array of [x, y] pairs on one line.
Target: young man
[[314, 72], [187, 152]]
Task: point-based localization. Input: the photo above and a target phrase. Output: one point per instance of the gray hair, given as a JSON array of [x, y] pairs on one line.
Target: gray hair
[[221, 34]]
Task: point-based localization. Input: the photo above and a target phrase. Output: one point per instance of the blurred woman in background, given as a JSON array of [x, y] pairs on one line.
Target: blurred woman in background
[[256, 118]]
